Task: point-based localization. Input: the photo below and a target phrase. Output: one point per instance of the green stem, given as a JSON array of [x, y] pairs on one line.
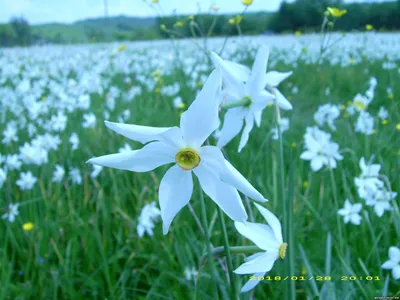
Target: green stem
[[208, 243], [244, 102], [336, 204], [228, 254], [290, 292], [217, 251]]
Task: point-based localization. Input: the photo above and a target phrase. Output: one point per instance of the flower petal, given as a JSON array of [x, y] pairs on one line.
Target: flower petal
[[233, 177], [389, 264], [257, 117], [142, 134], [233, 123], [257, 77], [394, 254], [307, 155], [230, 77], [282, 101], [246, 131], [224, 195], [201, 118], [396, 272], [273, 221], [261, 264], [251, 284], [176, 188], [260, 234], [274, 78], [146, 159], [241, 72], [317, 163]]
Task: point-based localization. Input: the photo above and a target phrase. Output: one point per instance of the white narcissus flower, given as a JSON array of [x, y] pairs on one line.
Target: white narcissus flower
[[350, 212], [240, 85], [266, 237], [58, 174], [148, 215], [183, 147], [393, 263], [383, 113], [26, 181], [327, 113], [12, 212], [368, 182], [320, 150], [380, 200]]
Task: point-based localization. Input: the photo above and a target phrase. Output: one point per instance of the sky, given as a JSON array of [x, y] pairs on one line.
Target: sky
[[47, 11]]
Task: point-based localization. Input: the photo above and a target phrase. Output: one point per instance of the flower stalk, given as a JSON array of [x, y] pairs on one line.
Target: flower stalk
[[228, 255], [243, 102], [208, 244]]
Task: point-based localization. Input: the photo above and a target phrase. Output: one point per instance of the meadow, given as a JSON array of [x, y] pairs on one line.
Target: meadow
[[71, 230]]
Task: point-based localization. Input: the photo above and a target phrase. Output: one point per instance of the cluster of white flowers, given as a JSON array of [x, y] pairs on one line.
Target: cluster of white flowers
[[372, 189]]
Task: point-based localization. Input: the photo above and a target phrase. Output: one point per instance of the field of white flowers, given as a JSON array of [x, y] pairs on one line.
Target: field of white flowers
[[103, 146]]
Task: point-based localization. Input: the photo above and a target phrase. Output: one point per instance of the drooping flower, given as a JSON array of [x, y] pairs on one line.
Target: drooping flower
[[350, 212], [393, 263], [243, 85], [269, 239], [183, 146]]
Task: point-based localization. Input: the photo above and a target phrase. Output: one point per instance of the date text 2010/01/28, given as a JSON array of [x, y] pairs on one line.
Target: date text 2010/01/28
[[317, 278]]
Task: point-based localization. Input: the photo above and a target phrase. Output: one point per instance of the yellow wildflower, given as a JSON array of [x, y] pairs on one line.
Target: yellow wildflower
[[297, 33], [121, 48], [179, 24], [247, 2], [28, 226], [336, 12], [398, 126], [235, 20], [385, 122], [369, 27]]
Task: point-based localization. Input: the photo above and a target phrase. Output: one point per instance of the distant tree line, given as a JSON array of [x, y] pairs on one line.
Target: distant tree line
[[303, 15], [308, 14]]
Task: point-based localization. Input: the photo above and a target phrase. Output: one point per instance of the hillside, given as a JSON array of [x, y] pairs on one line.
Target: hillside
[[120, 27]]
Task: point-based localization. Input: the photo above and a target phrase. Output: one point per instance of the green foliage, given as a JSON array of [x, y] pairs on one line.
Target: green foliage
[[308, 14]]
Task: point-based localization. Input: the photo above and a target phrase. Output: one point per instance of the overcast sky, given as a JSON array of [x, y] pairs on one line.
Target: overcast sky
[[45, 11]]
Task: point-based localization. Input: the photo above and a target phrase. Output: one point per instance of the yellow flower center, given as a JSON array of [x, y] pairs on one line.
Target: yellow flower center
[[282, 250], [360, 105], [187, 158]]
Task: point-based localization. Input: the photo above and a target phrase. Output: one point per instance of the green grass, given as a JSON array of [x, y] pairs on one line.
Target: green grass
[[85, 246]]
